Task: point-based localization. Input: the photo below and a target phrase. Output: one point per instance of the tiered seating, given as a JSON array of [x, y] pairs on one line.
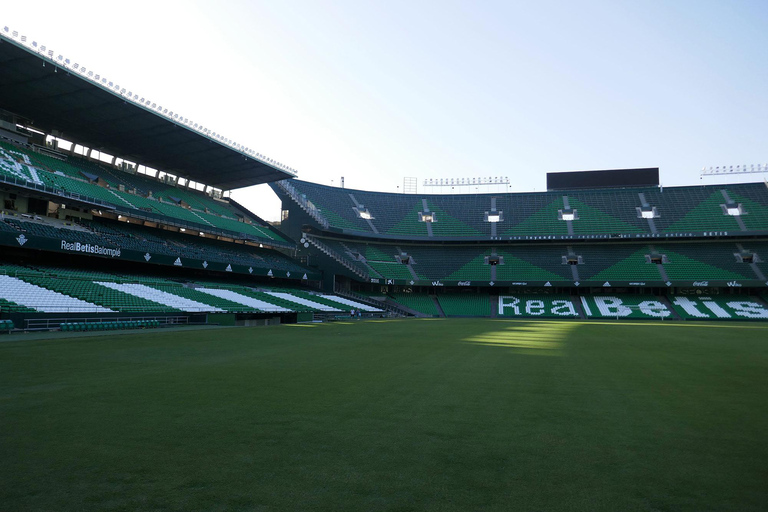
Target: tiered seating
[[593, 219], [617, 262], [128, 236], [600, 212], [624, 306], [313, 304], [26, 294], [85, 288], [419, 302], [603, 210], [719, 307], [523, 305], [202, 297], [7, 306], [245, 298], [74, 176], [161, 297], [330, 300], [350, 303], [704, 261], [465, 304], [518, 269]]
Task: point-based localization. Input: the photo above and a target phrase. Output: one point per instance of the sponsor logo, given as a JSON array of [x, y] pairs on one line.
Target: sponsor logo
[[177, 262], [576, 283], [491, 283], [21, 239], [412, 282], [304, 277], [516, 284], [547, 284], [205, 264], [229, 268], [288, 274], [374, 280], [461, 283], [90, 249], [437, 283], [668, 283], [701, 283], [511, 305], [390, 281], [270, 274], [250, 270], [606, 284], [734, 284], [636, 284], [147, 257]]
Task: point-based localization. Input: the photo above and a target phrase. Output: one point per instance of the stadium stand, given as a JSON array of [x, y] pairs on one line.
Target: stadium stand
[[81, 178], [131, 243], [599, 212]]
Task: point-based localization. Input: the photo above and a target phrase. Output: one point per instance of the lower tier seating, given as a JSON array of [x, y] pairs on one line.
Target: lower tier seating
[[465, 304], [719, 307]]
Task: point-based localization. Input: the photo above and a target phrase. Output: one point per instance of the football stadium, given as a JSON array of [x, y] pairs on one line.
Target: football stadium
[[600, 345]]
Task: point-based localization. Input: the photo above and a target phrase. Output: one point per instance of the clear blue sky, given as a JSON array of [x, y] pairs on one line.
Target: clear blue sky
[[378, 91]]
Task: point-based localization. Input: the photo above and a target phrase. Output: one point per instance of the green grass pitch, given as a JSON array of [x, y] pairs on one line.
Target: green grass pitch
[[399, 415]]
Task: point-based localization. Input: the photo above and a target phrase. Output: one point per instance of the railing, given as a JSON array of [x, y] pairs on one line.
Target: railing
[[336, 256], [304, 203], [40, 187], [33, 324], [391, 308], [139, 214]]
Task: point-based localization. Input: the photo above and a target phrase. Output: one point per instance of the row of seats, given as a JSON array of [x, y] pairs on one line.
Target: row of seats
[[6, 326], [109, 326]]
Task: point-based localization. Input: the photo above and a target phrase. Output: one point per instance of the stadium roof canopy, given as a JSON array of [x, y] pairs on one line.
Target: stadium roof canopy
[[57, 99]]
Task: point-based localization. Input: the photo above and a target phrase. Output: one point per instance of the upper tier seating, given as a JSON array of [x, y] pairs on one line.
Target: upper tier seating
[[679, 210], [87, 179]]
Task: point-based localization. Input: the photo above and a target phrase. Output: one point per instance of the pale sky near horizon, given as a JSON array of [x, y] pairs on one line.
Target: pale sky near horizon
[[379, 91]]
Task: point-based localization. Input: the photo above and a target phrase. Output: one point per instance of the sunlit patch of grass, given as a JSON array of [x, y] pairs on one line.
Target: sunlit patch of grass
[[538, 338]]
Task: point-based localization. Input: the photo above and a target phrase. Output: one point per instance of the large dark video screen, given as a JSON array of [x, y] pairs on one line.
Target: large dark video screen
[[616, 178]]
